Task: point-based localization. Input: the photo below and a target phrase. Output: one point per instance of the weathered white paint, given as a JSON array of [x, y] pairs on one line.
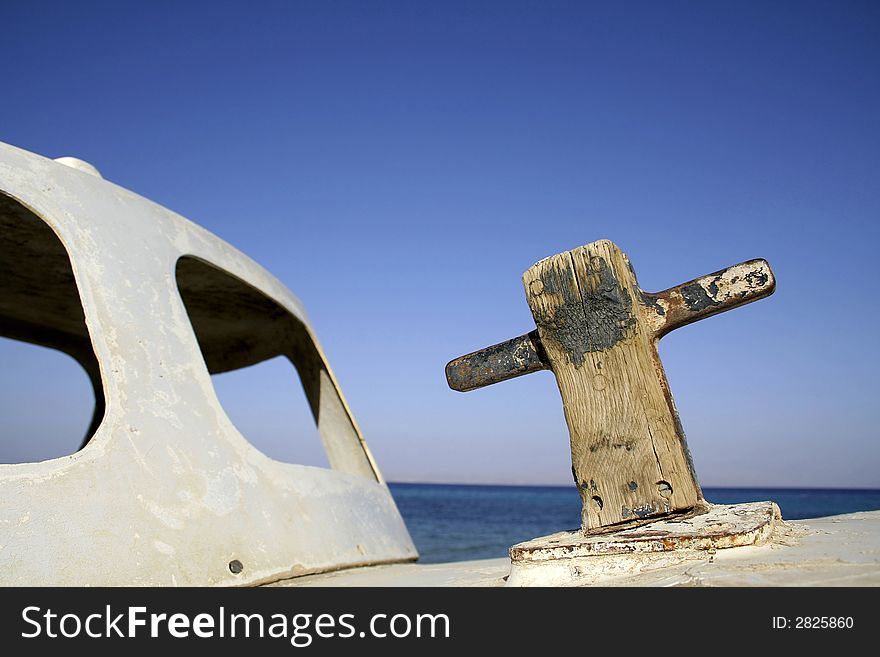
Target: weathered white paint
[[836, 551], [168, 491], [721, 526], [484, 572], [79, 164]]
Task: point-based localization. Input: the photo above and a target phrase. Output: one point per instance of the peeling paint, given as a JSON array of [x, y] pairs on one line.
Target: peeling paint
[[166, 466], [595, 314]]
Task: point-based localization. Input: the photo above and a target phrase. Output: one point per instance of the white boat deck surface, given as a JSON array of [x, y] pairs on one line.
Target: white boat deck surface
[[839, 550]]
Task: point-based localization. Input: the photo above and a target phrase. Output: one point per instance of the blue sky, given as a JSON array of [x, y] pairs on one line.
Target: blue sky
[[400, 164]]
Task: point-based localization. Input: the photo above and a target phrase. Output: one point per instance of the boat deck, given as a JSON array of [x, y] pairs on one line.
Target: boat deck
[[834, 551]]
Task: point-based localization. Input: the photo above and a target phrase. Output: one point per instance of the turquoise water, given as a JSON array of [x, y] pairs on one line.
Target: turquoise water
[[456, 523]]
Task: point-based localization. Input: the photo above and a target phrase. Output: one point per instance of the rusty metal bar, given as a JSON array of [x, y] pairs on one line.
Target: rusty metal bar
[[709, 295], [505, 360]]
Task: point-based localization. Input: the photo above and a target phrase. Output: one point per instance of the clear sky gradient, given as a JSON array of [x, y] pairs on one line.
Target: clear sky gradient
[[400, 164]]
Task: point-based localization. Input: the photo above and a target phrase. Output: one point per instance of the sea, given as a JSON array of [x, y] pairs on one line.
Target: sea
[[461, 522]]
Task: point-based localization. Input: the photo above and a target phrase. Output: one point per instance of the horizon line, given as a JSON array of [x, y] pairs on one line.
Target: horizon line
[[532, 485]]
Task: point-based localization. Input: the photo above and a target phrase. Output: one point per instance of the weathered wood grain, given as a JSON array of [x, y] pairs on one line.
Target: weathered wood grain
[[629, 455]]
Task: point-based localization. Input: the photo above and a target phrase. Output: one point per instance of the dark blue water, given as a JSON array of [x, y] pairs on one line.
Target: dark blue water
[[456, 523]]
